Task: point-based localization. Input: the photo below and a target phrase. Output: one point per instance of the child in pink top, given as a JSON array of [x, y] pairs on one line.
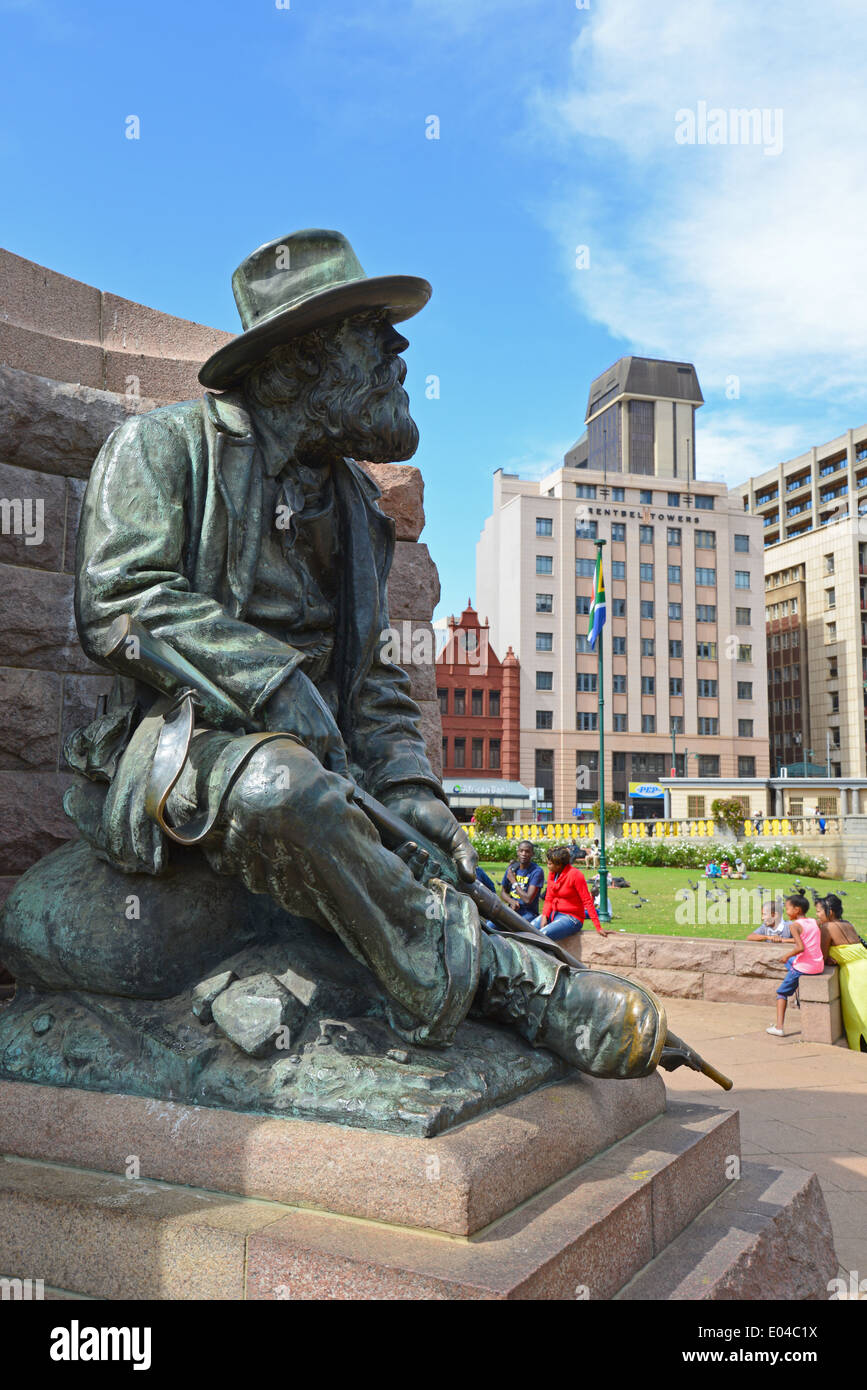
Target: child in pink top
[[805, 957]]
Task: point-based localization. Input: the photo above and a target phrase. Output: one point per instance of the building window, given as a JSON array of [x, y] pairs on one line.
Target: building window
[[704, 504], [829, 564], [708, 726], [586, 680], [648, 723], [620, 725], [460, 752], [544, 642], [478, 752], [747, 767], [582, 644], [645, 497], [494, 754], [586, 530], [544, 603], [745, 728], [674, 499], [675, 685], [645, 574], [830, 598], [831, 632], [708, 764], [674, 535], [675, 649], [544, 564], [583, 604], [646, 609], [585, 490], [443, 697], [743, 617], [648, 685], [742, 579], [618, 685], [494, 703], [544, 680], [705, 651], [706, 577], [445, 752], [618, 494], [695, 807], [705, 540], [618, 569], [460, 702], [585, 569], [675, 612], [707, 690], [618, 531], [544, 719], [745, 652], [742, 544], [705, 612], [477, 702], [586, 721], [745, 690], [544, 526], [641, 423], [618, 607], [674, 574], [648, 646], [618, 646], [645, 535]]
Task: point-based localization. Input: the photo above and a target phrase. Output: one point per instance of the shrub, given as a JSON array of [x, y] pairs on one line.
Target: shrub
[[613, 814], [694, 854], [494, 849], [486, 818], [728, 812]]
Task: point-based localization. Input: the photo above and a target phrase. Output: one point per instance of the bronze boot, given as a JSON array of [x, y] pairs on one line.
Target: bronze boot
[[597, 1022]]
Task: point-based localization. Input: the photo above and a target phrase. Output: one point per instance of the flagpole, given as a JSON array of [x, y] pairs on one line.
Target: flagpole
[[604, 910]]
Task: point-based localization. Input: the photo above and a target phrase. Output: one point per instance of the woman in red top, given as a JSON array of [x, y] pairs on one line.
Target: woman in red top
[[567, 899]]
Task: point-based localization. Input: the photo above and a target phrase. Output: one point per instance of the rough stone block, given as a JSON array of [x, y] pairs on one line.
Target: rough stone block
[[413, 585], [56, 426], [822, 1023], [740, 989], [676, 984], [37, 622], [43, 299], [32, 518], [760, 959], [29, 713], [160, 378], [820, 989], [129, 328], [682, 953], [402, 498], [32, 822], [591, 948], [43, 355]]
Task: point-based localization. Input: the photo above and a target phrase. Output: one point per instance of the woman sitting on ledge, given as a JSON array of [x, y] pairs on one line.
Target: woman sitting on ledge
[[849, 952]]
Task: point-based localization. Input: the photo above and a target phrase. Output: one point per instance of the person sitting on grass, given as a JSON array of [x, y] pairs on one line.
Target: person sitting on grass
[[740, 869], [712, 869], [725, 869], [567, 899], [523, 882], [774, 925], [805, 958]]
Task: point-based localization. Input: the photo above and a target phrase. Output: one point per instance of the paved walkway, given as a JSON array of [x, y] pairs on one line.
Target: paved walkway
[[802, 1104]]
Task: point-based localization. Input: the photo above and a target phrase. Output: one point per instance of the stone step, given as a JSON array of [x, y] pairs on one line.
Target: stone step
[[583, 1237], [768, 1236]]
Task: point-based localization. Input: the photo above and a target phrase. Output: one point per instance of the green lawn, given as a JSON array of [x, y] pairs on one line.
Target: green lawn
[[733, 918]]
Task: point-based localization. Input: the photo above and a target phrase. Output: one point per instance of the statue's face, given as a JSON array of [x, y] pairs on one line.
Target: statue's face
[[375, 420]]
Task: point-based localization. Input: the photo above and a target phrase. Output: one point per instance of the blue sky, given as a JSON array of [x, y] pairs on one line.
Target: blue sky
[[557, 130]]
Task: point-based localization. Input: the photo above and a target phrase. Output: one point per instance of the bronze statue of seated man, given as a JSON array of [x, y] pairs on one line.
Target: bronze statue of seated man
[[231, 570]]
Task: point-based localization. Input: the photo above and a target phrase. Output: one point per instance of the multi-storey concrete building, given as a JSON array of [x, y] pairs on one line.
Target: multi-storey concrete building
[[685, 669], [815, 551]]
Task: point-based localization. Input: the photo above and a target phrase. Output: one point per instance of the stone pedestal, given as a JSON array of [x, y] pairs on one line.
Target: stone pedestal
[[582, 1190]]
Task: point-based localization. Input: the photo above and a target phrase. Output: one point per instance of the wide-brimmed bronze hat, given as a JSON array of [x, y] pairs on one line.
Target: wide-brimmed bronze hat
[[296, 283]]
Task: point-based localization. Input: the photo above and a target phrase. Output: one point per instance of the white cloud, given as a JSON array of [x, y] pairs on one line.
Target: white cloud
[[753, 262]]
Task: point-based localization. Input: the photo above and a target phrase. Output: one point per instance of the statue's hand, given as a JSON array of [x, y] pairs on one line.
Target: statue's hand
[[426, 813], [298, 708]]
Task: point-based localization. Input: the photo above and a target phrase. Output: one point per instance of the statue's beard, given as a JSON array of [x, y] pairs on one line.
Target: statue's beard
[[376, 424]]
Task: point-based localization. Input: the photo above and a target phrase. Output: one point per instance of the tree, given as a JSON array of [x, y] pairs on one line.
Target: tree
[[486, 817], [613, 813], [728, 812]]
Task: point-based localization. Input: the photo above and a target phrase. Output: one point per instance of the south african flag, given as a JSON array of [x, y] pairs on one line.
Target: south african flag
[[596, 620]]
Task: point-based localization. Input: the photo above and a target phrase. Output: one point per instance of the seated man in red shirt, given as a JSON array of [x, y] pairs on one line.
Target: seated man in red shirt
[[568, 900]]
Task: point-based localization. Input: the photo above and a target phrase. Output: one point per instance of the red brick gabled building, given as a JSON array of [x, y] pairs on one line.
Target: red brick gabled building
[[479, 698]]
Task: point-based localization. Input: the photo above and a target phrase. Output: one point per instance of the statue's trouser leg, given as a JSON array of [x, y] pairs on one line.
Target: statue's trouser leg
[[287, 827], [597, 1022]]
